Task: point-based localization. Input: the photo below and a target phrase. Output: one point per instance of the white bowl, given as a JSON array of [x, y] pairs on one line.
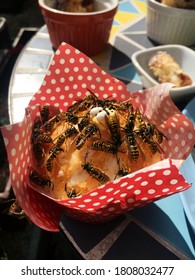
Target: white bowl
[[169, 25], [184, 56]]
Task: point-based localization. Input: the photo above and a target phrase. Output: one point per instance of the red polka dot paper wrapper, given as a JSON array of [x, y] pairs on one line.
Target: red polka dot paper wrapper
[[69, 75]]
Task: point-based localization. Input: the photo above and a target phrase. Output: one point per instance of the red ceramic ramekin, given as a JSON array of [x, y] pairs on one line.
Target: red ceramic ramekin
[[88, 32]]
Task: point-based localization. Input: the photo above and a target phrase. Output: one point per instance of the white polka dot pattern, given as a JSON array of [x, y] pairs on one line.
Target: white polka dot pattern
[[78, 73], [70, 74]]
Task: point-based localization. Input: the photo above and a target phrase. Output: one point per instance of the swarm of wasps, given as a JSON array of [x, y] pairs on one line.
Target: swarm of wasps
[[127, 131]]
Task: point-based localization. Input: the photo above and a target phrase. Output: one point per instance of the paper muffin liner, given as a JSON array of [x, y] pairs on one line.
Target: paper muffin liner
[[69, 76]]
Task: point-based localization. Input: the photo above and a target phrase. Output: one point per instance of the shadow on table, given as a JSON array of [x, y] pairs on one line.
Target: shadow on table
[[152, 217], [136, 240], [191, 232]]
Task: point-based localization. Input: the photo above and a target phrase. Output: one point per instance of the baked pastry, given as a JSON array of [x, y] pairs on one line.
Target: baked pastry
[[166, 69], [95, 141], [76, 6], [183, 4]]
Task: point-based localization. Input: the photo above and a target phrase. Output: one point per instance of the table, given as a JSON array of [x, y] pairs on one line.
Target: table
[[127, 36], [166, 234]]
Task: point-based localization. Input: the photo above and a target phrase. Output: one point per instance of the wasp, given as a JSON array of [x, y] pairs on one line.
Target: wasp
[[53, 154], [50, 124], [112, 122], [80, 141], [93, 100], [84, 122], [44, 112], [69, 117], [38, 151], [43, 138], [60, 141], [67, 134], [90, 130], [131, 120], [153, 145], [36, 130], [115, 105], [96, 173], [153, 130], [123, 105], [87, 133], [141, 121], [88, 101], [159, 135], [16, 210], [122, 172], [108, 104], [132, 145], [38, 179], [83, 104], [104, 146], [75, 106], [72, 193], [70, 132], [146, 129]]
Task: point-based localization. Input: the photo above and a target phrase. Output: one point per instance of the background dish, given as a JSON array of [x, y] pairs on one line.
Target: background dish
[[170, 25], [88, 32], [188, 171], [184, 56]]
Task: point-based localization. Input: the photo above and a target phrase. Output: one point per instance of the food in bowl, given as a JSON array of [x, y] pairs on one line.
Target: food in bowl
[[78, 6], [95, 141], [183, 4], [166, 69]]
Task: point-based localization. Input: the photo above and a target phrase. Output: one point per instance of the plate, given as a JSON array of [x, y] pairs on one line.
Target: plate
[[184, 56], [188, 171]]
